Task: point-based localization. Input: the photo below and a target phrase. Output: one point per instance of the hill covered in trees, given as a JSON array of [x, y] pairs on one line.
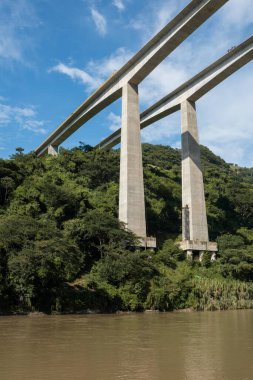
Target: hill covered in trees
[[62, 248]]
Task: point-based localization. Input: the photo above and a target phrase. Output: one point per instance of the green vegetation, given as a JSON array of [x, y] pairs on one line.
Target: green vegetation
[[62, 248]]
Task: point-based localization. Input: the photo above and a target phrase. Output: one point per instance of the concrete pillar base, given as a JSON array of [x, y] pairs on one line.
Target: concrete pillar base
[[151, 242], [213, 257], [189, 255], [201, 255], [196, 245], [146, 243], [52, 150]]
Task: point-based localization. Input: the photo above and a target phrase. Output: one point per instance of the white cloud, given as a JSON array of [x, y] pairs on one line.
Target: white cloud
[[24, 117], [16, 19], [119, 4], [155, 17], [77, 74], [34, 126], [160, 82], [99, 21], [226, 119], [96, 71], [115, 121], [105, 67], [165, 131], [238, 13]]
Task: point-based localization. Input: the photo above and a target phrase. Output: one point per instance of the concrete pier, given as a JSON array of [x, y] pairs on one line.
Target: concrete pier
[[52, 150], [194, 219], [131, 195]]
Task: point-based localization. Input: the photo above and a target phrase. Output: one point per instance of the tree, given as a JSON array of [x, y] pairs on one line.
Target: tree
[[85, 147], [37, 271], [96, 232], [7, 184], [19, 150]]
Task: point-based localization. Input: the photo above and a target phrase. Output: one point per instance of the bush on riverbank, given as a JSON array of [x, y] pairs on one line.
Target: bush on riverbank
[[135, 282]]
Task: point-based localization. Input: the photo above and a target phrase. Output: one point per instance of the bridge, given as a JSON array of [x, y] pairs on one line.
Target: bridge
[[124, 83]]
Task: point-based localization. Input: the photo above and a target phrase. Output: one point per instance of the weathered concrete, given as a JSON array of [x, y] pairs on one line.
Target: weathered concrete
[[131, 196], [193, 89], [196, 245], [189, 255], [52, 150], [192, 179], [137, 68], [195, 228]]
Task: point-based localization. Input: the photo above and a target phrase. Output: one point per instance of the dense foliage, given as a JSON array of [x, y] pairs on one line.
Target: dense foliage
[[63, 249]]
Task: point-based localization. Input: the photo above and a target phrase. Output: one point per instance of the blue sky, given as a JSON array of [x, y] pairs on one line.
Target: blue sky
[[54, 53]]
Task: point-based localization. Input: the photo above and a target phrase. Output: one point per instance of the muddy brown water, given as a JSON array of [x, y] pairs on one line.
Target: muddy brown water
[[148, 346]]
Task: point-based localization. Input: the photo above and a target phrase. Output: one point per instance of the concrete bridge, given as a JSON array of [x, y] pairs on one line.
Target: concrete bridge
[[194, 221], [124, 83]]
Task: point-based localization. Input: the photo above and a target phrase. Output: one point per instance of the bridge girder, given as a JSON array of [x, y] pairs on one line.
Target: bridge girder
[[192, 90], [137, 68]]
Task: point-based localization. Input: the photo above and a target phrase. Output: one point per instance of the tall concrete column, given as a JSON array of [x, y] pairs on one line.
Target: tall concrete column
[[195, 228], [131, 194], [52, 150]]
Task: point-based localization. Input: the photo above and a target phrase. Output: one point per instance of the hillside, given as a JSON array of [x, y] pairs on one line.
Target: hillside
[[62, 248]]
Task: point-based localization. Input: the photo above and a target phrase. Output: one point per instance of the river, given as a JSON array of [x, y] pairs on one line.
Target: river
[[148, 346]]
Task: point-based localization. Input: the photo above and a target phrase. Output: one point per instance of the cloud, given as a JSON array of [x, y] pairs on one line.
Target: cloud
[[165, 78], [77, 75], [99, 21], [106, 66], [225, 119], [166, 130], [8, 113], [16, 20], [115, 121], [119, 4], [24, 117], [96, 71], [35, 126], [238, 13], [155, 17]]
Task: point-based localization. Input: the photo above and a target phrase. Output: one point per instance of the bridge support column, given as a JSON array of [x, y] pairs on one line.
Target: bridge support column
[[52, 150], [131, 194], [194, 219]]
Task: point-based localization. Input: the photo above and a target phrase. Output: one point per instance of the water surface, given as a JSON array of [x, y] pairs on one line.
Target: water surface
[[150, 346]]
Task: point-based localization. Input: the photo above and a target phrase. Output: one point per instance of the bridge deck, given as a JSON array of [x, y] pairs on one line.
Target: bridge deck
[[193, 89], [137, 68]]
